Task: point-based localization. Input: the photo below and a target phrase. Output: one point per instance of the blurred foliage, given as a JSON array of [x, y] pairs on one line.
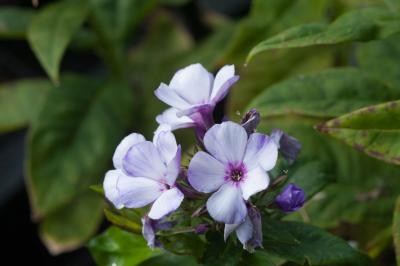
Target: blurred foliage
[[329, 66]]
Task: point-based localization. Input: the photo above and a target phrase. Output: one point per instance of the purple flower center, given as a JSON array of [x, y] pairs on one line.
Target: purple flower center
[[236, 173]]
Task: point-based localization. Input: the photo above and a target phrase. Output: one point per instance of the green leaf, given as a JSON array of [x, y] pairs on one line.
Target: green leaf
[[123, 222], [14, 22], [71, 145], [117, 247], [71, 226], [52, 29], [170, 259], [359, 25], [374, 130], [20, 102], [396, 230], [222, 253], [328, 93], [302, 243], [387, 53]]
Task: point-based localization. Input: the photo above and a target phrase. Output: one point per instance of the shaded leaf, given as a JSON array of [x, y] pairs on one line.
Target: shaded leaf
[[52, 29], [169, 259], [387, 53], [373, 130], [359, 25], [302, 243], [71, 226], [71, 145], [324, 94], [14, 22], [396, 230], [123, 222], [20, 102], [117, 247]]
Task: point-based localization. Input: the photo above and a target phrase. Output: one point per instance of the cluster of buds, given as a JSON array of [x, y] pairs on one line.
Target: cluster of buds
[[230, 168]]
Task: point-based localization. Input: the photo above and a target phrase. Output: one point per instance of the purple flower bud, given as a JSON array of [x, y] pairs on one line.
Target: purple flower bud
[[201, 229], [255, 218], [291, 198], [250, 121], [150, 227], [288, 145]]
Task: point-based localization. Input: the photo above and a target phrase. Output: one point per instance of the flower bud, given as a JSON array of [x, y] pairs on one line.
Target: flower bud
[[288, 145], [250, 121], [201, 229], [291, 198]]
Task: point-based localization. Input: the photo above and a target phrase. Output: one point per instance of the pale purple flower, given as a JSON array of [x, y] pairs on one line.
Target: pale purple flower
[[235, 167], [150, 228], [291, 198], [192, 94], [145, 173], [248, 232]]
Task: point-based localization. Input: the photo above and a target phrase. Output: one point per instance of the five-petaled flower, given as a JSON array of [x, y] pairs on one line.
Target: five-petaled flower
[[235, 167], [145, 173], [192, 94]]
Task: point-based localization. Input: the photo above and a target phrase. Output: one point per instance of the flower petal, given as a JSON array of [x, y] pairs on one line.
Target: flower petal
[[193, 83], [170, 97], [199, 108], [130, 192], [148, 232], [165, 142], [226, 142], [169, 201], [227, 205], [169, 117], [205, 173], [224, 79], [174, 167], [124, 146], [261, 151], [229, 228], [144, 160], [245, 231], [256, 180]]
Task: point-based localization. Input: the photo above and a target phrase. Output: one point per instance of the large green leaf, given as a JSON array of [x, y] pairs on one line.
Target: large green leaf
[[170, 259], [20, 102], [396, 230], [302, 243], [387, 53], [327, 93], [73, 224], [374, 130], [52, 29], [71, 145], [14, 22], [359, 25], [117, 247]]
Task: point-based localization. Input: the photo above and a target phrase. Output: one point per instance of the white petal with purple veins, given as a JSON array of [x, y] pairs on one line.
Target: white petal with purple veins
[[226, 142], [124, 146], [193, 83], [144, 160], [229, 228], [170, 117], [130, 192], [169, 201], [245, 231], [171, 97], [165, 142], [261, 151], [224, 79], [174, 167], [255, 181], [227, 205], [205, 173]]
